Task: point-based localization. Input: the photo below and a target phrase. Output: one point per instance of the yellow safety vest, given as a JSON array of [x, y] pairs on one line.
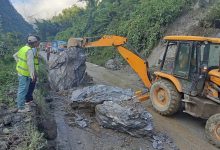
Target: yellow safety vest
[[22, 66]]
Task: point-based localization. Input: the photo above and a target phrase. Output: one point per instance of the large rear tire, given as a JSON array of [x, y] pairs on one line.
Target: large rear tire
[[165, 98], [212, 130]]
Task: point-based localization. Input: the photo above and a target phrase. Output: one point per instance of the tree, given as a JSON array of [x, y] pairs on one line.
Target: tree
[[1, 28], [91, 7]]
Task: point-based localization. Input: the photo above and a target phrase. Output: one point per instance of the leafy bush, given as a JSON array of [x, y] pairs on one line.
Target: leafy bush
[[8, 75], [33, 139], [8, 80]]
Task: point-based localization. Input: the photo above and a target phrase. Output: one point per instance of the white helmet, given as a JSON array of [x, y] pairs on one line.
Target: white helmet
[[32, 39]]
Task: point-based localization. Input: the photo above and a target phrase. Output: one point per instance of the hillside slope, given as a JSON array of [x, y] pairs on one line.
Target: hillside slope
[[187, 24], [11, 20]]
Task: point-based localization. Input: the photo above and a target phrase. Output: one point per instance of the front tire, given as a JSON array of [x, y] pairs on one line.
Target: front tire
[[165, 98], [212, 130]]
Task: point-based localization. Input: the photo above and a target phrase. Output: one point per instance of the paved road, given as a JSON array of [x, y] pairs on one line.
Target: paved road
[[188, 132]]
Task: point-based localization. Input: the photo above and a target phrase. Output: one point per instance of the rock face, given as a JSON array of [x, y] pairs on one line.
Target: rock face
[[91, 96], [67, 70], [125, 116]]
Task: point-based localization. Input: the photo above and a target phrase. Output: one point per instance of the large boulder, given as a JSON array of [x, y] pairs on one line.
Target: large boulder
[[67, 70], [125, 116], [91, 96], [114, 108]]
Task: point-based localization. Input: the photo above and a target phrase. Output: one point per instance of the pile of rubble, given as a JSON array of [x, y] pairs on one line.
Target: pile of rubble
[[114, 108], [114, 64], [12, 127]]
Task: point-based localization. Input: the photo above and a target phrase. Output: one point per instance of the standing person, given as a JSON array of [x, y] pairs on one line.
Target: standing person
[[27, 66], [29, 95]]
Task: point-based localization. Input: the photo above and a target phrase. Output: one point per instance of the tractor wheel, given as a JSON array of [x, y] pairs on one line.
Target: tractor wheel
[[212, 130], [165, 98]]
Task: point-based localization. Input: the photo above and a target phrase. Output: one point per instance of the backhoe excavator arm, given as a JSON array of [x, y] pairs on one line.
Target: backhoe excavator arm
[[139, 65]]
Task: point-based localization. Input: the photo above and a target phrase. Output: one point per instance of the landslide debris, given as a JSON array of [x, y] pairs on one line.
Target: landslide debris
[[115, 108], [67, 70], [17, 129], [125, 116], [89, 97]]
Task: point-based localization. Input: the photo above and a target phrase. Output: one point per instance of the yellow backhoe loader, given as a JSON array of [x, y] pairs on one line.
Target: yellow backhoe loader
[[189, 76]]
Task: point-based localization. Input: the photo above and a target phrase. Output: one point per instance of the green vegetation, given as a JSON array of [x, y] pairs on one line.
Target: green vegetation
[[143, 22], [32, 140], [8, 80], [42, 90], [213, 14], [8, 76]]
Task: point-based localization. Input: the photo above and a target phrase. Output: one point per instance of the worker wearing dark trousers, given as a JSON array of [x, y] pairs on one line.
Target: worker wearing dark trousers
[[29, 96]]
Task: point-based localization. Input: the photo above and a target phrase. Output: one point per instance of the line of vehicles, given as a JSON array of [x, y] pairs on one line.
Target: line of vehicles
[[53, 46]]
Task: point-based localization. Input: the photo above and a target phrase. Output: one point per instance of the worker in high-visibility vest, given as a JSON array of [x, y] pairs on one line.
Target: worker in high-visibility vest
[[27, 67]]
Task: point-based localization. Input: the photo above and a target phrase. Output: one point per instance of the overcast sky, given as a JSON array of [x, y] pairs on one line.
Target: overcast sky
[[42, 9]]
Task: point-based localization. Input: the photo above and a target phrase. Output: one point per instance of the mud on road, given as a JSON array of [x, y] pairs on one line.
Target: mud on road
[[71, 136], [188, 132]]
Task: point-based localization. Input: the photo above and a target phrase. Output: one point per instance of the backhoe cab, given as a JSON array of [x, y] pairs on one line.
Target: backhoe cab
[[189, 76]]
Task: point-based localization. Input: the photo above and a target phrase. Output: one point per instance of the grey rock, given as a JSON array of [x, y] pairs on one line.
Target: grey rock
[[113, 64], [3, 106], [67, 70], [49, 128], [80, 121], [27, 120], [3, 110], [91, 96], [3, 145], [158, 145], [159, 140], [49, 99], [13, 110], [202, 4], [125, 116], [17, 118], [1, 120], [6, 131], [7, 120]]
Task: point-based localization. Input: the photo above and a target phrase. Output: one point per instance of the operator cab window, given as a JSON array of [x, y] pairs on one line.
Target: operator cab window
[[214, 54], [183, 60], [194, 59], [168, 64]]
